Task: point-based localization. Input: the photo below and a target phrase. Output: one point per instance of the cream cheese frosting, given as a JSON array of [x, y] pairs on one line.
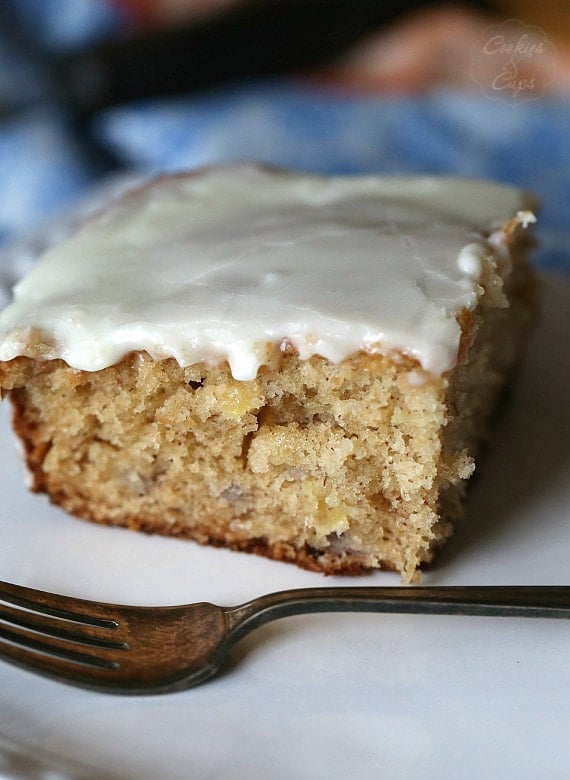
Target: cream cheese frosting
[[215, 265]]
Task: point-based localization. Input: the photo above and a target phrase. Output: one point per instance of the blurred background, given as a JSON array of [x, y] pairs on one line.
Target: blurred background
[[97, 93]]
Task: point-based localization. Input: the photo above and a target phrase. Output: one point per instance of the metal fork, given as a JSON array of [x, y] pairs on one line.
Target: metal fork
[[148, 650]]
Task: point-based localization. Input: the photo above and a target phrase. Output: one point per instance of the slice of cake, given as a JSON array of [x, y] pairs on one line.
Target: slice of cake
[[286, 364]]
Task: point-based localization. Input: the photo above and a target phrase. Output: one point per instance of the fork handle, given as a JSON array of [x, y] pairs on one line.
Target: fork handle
[[493, 601]]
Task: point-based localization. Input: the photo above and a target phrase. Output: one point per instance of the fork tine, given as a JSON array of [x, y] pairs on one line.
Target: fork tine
[[61, 669], [55, 627], [77, 610], [53, 646]]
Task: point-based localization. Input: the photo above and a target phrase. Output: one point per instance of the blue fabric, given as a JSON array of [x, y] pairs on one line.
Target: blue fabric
[[284, 121], [66, 24]]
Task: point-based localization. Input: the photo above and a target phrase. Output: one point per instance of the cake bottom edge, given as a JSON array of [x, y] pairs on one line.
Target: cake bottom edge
[[322, 561]]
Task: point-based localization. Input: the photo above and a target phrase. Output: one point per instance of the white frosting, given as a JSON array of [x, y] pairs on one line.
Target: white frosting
[[214, 266]]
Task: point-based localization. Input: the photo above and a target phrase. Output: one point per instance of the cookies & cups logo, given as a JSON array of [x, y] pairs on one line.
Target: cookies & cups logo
[[513, 62]]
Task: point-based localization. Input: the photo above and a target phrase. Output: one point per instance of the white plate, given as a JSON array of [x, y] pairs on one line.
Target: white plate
[[324, 696]]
